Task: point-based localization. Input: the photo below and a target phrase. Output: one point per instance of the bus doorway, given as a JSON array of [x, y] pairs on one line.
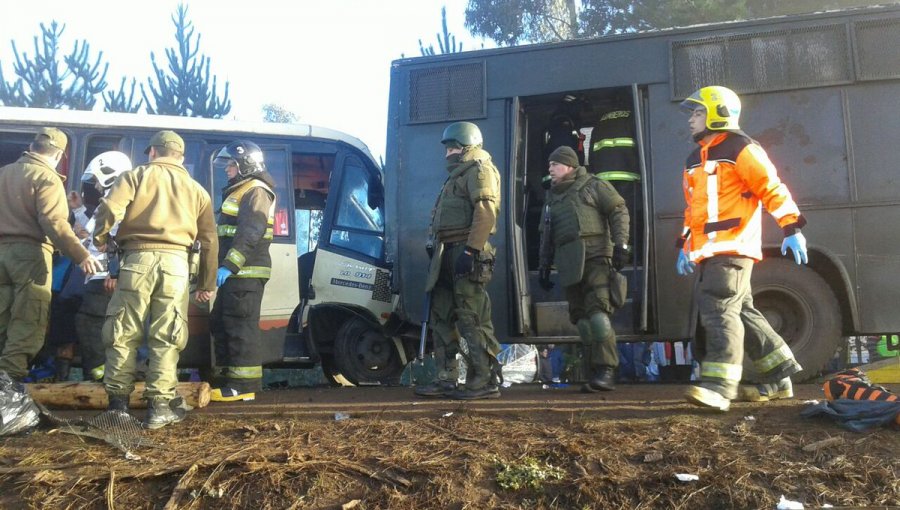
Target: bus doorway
[[604, 128]]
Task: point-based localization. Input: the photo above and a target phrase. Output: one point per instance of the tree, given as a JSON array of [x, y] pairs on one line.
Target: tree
[[118, 102], [44, 83], [186, 91], [447, 44], [513, 22], [279, 114]]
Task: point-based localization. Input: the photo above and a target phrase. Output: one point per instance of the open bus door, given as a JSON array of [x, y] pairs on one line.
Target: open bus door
[[348, 297]]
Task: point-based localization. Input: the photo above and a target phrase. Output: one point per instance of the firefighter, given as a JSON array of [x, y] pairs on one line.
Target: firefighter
[[161, 212], [245, 232], [727, 180], [462, 263], [585, 230], [99, 175], [35, 214]]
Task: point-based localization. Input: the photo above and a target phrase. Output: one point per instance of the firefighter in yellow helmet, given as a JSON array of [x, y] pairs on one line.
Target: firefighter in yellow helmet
[[727, 181]]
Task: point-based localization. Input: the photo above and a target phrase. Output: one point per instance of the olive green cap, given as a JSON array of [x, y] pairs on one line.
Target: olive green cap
[[168, 139], [565, 155], [57, 138]]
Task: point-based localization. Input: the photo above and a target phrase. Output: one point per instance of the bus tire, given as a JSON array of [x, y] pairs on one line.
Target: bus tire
[[332, 374], [363, 355], [801, 307]]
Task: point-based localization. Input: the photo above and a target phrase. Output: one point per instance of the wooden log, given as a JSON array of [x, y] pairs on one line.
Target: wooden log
[[91, 395]]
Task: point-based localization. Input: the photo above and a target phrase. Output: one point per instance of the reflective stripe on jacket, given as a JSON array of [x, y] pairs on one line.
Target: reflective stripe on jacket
[[726, 183], [245, 228]]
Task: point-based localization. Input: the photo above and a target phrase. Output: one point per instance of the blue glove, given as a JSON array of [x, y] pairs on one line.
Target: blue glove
[[221, 275], [797, 244], [684, 266]]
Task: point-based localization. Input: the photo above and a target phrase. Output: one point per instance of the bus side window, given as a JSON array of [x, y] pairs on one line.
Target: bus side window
[[12, 145], [277, 166]]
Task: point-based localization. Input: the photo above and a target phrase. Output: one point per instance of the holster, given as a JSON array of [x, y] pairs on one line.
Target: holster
[[194, 261]]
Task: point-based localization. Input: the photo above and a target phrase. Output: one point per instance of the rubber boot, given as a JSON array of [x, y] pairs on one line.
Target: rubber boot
[[604, 379], [118, 403], [160, 413], [782, 389], [436, 389]]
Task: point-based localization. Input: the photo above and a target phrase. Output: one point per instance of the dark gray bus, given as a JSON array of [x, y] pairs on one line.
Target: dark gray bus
[[820, 93]]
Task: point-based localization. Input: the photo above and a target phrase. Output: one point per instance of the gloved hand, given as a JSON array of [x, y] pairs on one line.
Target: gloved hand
[[544, 278], [429, 249], [797, 244], [684, 266], [620, 256], [221, 275], [465, 263]]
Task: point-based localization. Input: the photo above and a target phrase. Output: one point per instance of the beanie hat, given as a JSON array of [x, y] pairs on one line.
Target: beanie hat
[[565, 155]]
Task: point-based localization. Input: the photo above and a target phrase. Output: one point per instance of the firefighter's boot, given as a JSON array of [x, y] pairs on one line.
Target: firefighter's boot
[[782, 389], [160, 413], [707, 398]]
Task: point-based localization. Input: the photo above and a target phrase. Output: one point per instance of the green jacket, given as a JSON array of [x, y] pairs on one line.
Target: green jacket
[[469, 203], [34, 208], [246, 227], [587, 208]]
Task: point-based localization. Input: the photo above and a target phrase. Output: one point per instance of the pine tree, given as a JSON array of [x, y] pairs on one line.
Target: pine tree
[[447, 44], [43, 82], [186, 90]]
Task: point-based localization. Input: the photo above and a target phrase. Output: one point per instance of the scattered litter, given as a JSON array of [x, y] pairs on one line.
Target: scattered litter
[[341, 416], [811, 402], [18, 412], [825, 443], [506, 384], [447, 415], [131, 456], [749, 417], [786, 504], [354, 503], [653, 457], [685, 477]]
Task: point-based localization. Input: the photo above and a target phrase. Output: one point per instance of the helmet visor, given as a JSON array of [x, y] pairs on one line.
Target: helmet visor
[[221, 164]]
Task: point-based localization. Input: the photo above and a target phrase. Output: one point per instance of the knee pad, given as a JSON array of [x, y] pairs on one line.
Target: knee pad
[[601, 328]]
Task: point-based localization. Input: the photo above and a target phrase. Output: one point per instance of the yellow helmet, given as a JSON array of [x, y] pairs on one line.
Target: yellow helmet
[[723, 107]]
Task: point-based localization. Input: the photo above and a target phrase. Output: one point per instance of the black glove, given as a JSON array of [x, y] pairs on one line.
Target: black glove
[[620, 256], [429, 249], [544, 278], [465, 263]]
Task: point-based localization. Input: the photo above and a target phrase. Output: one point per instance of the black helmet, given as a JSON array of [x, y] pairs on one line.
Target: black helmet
[[247, 155], [462, 133]]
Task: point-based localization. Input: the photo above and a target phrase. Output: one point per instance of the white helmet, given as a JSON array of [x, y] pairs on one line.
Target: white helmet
[[104, 168]]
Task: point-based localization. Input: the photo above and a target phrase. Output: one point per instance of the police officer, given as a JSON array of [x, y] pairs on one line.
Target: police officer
[[99, 175], [726, 180], [34, 214], [161, 211], [462, 262], [245, 233], [585, 230]]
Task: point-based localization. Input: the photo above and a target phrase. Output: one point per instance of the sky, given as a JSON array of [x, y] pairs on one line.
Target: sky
[[327, 61]]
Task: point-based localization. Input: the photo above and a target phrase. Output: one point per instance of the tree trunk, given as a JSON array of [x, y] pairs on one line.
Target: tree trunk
[[89, 395]]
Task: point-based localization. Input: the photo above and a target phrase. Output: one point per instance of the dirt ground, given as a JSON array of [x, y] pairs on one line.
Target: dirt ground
[[532, 448]]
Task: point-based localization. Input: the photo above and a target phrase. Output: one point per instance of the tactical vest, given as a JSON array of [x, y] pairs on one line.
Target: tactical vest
[[257, 263], [454, 210], [571, 217]]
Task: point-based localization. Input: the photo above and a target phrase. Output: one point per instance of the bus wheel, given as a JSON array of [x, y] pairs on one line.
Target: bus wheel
[[800, 307], [332, 373], [364, 355]]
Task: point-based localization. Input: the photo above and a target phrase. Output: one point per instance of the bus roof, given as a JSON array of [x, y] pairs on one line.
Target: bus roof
[[58, 118]]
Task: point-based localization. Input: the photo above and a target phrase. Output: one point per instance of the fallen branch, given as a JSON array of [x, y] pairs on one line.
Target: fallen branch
[[180, 488], [40, 467]]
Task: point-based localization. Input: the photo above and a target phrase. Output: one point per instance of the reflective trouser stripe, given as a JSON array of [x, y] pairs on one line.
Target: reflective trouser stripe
[[244, 372], [254, 272], [770, 361], [97, 372], [618, 175], [724, 371]]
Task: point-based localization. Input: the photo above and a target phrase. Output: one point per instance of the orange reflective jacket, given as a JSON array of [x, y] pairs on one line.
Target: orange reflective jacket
[[726, 181]]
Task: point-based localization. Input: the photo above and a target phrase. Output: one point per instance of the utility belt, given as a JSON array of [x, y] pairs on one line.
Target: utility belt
[[114, 254]]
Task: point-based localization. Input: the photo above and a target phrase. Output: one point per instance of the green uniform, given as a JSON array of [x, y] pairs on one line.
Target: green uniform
[[34, 216], [584, 218], [162, 211], [465, 215]]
